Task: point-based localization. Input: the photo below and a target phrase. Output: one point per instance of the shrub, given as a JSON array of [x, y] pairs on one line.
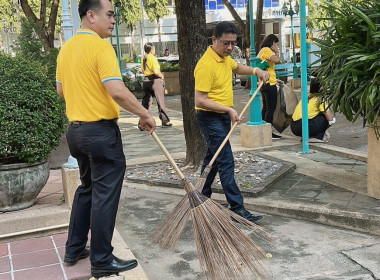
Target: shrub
[[32, 118], [350, 59], [168, 67]]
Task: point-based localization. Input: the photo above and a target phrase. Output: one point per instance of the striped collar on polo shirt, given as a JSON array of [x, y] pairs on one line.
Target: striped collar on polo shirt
[[86, 31]]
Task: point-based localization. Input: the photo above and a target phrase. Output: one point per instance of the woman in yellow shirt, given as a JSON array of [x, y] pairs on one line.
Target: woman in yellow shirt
[[319, 117], [270, 53], [153, 84]]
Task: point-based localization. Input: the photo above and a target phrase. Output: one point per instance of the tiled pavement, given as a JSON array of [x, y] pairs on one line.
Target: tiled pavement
[[41, 258]]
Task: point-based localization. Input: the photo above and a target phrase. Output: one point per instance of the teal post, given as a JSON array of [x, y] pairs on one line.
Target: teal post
[[117, 35], [255, 117], [305, 121]]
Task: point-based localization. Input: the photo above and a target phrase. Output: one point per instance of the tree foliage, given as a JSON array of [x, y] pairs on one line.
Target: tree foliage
[[350, 59]]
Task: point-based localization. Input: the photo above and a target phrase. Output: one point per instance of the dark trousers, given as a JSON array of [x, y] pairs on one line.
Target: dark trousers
[[99, 151], [215, 128], [155, 88], [317, 127], [269, 98]]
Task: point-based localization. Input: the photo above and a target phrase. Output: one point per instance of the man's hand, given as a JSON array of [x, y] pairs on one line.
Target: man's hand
[[234, 116], [148, 124], [262, 75]]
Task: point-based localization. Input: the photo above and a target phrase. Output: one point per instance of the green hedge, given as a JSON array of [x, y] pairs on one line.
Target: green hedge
[[32, 115]]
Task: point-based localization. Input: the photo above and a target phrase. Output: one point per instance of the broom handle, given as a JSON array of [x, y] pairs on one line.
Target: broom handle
[[235, 124], [168, 156]]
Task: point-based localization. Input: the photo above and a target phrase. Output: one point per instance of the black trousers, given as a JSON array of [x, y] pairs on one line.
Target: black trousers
[[98, 148], [317, 127], [269, 98]]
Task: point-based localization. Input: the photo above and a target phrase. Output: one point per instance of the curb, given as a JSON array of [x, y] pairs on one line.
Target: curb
[[322, 213]]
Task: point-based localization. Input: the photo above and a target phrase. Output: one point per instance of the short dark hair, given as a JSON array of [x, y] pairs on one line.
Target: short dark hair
[[224, 27], [86, 5], [315, 86], [148, 47], [269, 41]]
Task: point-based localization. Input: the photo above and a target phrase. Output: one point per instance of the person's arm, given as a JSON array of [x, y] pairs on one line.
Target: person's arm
[[247, 70], [202, 101], [60, 90], [158, 73], [328, 114], [128, 101], [276, 56]]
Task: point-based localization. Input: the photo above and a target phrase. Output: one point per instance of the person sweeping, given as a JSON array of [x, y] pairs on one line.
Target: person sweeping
[[214, 106]]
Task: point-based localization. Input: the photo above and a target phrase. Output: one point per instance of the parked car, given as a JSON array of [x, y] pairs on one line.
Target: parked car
[[237, 55]]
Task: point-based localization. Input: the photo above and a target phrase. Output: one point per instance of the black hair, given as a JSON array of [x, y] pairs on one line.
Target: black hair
[[269, 41], [224, 27], [315, 86], [148, 47], [87, 5]]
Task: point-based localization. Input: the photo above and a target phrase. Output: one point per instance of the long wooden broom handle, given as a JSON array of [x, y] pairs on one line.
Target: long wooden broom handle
[[235, 124], [168, 156]]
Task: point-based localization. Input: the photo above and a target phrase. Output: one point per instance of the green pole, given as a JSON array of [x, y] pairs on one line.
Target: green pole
[[255, 117], [305, 121], [117, 37]]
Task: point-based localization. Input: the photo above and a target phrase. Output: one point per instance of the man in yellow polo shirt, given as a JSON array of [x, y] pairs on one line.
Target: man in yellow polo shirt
[[214, 105], [89, 79]]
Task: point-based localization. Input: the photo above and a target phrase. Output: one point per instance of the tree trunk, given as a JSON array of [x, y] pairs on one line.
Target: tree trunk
[[258, 24], [192, 43], [373, 163]]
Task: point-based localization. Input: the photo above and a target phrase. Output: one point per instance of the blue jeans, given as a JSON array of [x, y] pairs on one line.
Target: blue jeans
[[215, 128]]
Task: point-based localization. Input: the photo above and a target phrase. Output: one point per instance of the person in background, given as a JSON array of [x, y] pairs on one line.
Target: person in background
[[214, 107], [166, 52], [320, 118], [153, 85], [269, 52], [89, 80]]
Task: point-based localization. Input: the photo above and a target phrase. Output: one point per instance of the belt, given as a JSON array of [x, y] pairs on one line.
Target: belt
[[209, 113], [96, 122]]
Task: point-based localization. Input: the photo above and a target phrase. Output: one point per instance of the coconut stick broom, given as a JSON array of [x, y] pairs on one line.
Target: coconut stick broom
[[224, 250], [168, 233]]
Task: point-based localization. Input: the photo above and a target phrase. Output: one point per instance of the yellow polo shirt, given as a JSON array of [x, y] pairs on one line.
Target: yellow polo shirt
[[265, 54], [213, 74], [151, 65], [84, 64], [314, 107]]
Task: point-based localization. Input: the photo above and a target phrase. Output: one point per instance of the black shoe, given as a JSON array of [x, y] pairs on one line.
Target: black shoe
[[73, 260], [167, 124], [275, 136], [117, 265], [247, 215]]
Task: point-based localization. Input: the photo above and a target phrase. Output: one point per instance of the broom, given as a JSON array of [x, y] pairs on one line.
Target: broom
[[168, 233], [224, 250]]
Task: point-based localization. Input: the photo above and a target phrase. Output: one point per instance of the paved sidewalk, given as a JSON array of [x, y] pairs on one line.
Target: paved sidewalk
[[327, 186]]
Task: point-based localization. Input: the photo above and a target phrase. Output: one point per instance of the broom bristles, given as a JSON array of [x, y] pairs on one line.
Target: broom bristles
[[224, 250], [169, 231]]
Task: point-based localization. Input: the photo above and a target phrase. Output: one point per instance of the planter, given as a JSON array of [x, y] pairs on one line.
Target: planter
[[373, 164], [172, 83], [20, 184]]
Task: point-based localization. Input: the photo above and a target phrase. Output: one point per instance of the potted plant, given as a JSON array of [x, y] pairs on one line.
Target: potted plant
[[349, 70], [32, 121], [171, 74]]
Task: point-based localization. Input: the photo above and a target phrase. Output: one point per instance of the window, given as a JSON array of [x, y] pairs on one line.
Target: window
[[271, 3], [276, 28]]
